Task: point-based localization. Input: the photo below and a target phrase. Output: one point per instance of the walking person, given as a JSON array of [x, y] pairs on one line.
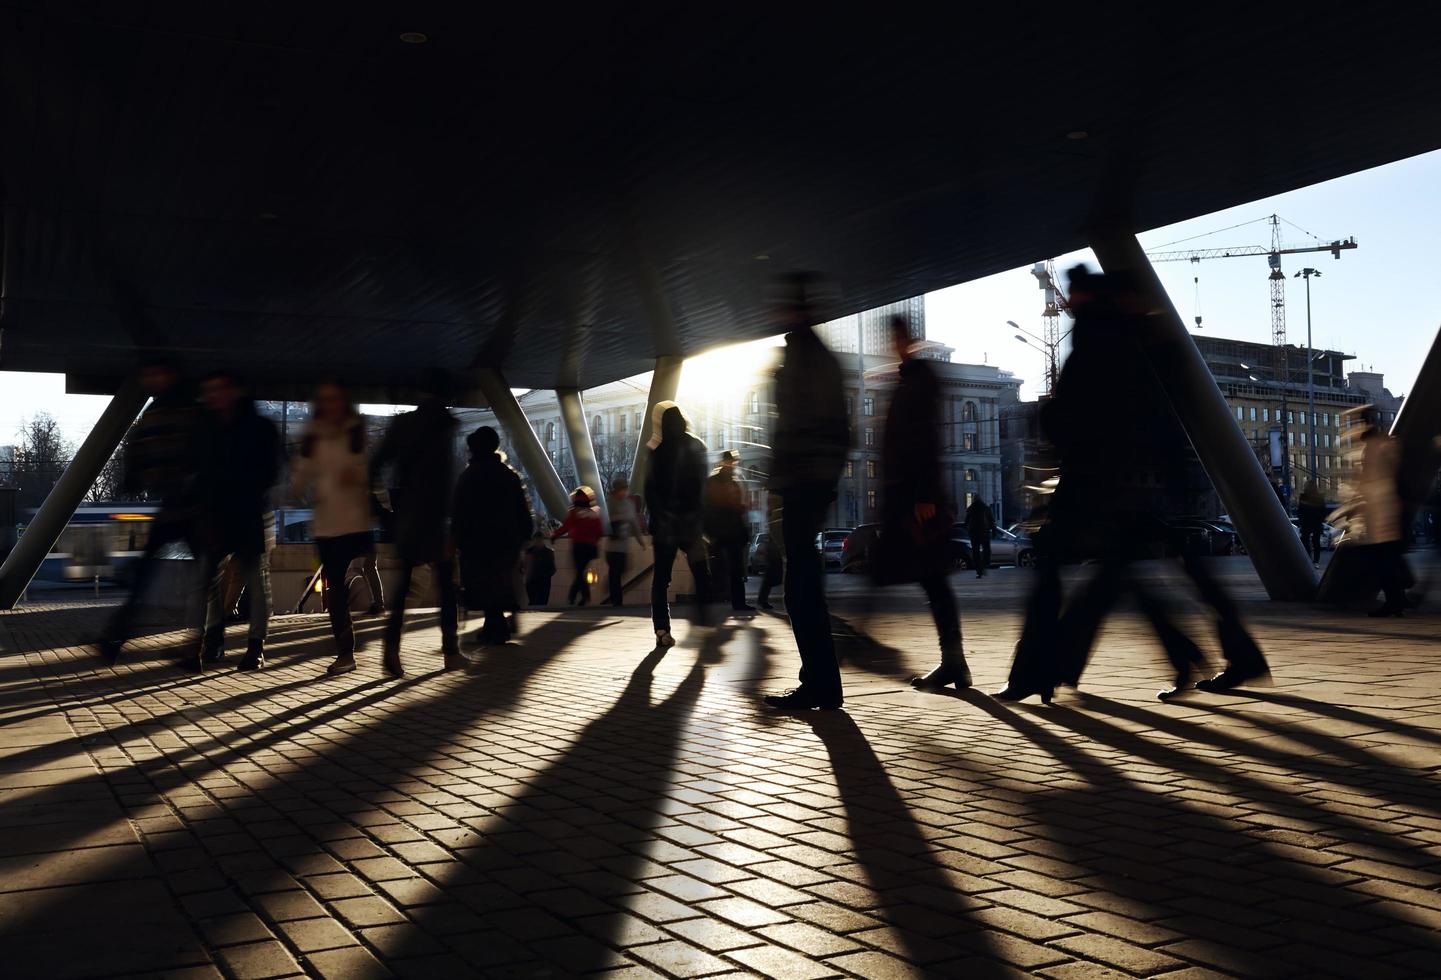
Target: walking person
[[772, 565], [419, 447], [239, 464], [491, 521], [673, 496], [539, 570], [1311, 513], [916, 516], [584, 527], [1381, 499], [809, 449], [160, 460], [623, 530], [980, 525], [726, 529], [333, 473]]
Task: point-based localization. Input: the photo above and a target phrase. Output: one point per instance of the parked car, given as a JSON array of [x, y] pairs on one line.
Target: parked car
[[1006, 548], [1196, 536], [1330, 534], [832, 543], [756, 557], [856, 553]]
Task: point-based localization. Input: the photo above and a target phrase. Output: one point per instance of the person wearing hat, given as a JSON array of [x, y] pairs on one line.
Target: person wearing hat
[[725, 526], [584, 527], [490, 524]]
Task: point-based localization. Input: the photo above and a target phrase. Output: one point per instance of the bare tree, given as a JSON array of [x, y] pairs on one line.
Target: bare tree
[[110, 483], [41, 455]]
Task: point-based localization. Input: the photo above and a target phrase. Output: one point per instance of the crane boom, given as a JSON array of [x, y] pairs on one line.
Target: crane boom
[[1196, 255]]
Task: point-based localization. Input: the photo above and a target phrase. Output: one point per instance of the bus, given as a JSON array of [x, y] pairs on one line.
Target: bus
[[101, 543]]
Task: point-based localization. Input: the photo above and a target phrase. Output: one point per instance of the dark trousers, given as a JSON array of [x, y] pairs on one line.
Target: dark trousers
[[802, 517], [943, 612], [537, 591], [733, 556], [1311, 541], [981, 551], [583, 555], [1390, 572], [665, 555], [615, 564], [444, 571], [162, 533], [336, 554]]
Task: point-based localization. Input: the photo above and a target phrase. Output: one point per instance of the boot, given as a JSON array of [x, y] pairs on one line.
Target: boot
[[952, 669], [254, 658], [453, 659], [210, 650], [390, 660]]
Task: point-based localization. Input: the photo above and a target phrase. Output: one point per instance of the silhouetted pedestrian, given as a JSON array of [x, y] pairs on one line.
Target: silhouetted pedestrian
[[980, 525], [1381, 501], [585, 528], [726, 528], [420, 446], [809, 447], [673, 492], [160, 461], [916, 515], [1311, 513], [491, 522], [333, 471], [539, 570], [623, 530], [239, 463], [772, 564]]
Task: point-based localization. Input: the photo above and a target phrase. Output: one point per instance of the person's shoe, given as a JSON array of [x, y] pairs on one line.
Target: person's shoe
[[1387, 611], [342, 665], [375, 609], [763, 604], [109, 651], [1009, 693], [663, 639], [799, 699], [454, 660], [254, 658], [1230, 678], [952, 669], [1181, 684], [744, 607], [390, 660]]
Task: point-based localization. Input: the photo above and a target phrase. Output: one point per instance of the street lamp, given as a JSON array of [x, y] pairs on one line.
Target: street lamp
[[1310, 361], [1040, 344]]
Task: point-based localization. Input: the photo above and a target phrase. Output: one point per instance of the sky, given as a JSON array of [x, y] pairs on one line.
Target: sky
[[1374, 302]]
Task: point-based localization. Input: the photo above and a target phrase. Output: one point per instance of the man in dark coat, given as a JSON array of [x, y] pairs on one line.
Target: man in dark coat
[[915, 513], [726, 528], [159, 462], [979, 525], [490, 524], [673, 491], [239, 463], [809, 447]]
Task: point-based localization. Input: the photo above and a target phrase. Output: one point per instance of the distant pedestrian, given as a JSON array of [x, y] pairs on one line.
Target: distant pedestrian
[[1384, 532], [1311, 513], [980, 525], [239, 463], [160, 460], [539, 570], [673, 493], [420, 448], [333, 471], [726, 528], [623, 530], [491, 522], [772, 564], [585, 528], [809, 447], [916, 514]]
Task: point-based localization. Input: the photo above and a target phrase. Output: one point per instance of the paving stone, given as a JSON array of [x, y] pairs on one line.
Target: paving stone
[[344, 964], [258, 961], [679, 959]]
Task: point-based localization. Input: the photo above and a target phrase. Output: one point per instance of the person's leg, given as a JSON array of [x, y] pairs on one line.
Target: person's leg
[[1034, 668], [1181, 651], [119, 630], [734, 553], [212, 631], [660, 587], [372, 579], [615, 562], [395, 624], [1081, 619], [952, 668], [334, 560], [449, 609], [1244, 659], [256, 570], [697, 559], [820, 674]]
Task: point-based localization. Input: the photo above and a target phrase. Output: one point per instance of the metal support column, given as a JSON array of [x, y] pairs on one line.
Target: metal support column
[[582, 450], [533, 458], [664, 383], [41, 533], [1276, 551]]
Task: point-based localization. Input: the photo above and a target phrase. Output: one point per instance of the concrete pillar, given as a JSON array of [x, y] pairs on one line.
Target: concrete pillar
[[582, 450], [664, 383], [533, 457], [41, 534], [1417, 426], [1274, 547]]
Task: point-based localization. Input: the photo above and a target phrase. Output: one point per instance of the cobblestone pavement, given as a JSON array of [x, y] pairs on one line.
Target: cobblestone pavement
[[575, 802]]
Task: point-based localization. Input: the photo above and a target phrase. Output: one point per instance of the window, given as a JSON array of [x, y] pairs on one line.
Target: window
[[870, 436], [1253, 413], [623, 420], [1240, 414], [870, 500], [596, 427], [1326, 439], [1266, 415], [1290, 418], [1326, 418], [755, 402], [550, 432], [870, 469], [968, 441], [850, 469], [969, 476], [868, 405], [1303, 437], [850, 406], [637, 422], [968, 412]]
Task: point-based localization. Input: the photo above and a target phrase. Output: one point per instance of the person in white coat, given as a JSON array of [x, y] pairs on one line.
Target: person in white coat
[[1381, 497], [333, 471]]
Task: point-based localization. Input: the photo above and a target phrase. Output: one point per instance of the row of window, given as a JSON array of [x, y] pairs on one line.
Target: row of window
[[1323, 439], [1292, 418]]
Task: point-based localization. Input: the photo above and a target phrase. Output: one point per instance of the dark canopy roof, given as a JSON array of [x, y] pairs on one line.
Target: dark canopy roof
[[291, 190]]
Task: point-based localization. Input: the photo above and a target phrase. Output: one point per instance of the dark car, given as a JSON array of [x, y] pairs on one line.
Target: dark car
[[1196, 536], [856, 553], [1006, 548]]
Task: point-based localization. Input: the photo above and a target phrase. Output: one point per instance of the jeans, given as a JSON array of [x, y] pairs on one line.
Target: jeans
[[583, 555], [336, 554], [444, 572], [981, 552], [665, 555], [255, 573], [616, 563], [803, 516]]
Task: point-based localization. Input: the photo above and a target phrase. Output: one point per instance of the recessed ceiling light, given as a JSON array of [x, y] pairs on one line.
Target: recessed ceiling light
[[1077, 134], [763, 257], [414, 37]]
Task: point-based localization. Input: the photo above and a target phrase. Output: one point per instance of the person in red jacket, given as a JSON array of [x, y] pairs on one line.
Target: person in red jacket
[[585, 529]]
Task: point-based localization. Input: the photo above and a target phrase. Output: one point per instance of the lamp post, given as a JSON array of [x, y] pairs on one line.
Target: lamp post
[[1040, 344], [1310, 362]]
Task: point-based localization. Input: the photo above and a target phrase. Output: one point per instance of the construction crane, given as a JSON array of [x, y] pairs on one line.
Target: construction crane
[[1055, 304]]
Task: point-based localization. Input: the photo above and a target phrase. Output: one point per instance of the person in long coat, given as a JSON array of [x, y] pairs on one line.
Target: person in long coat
[[673, 493], [490, 524]]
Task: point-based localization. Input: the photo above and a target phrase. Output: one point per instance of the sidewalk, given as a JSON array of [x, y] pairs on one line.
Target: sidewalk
[[575, 803]]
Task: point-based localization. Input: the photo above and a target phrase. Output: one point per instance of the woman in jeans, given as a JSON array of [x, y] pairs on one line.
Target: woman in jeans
[[333, 471]]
